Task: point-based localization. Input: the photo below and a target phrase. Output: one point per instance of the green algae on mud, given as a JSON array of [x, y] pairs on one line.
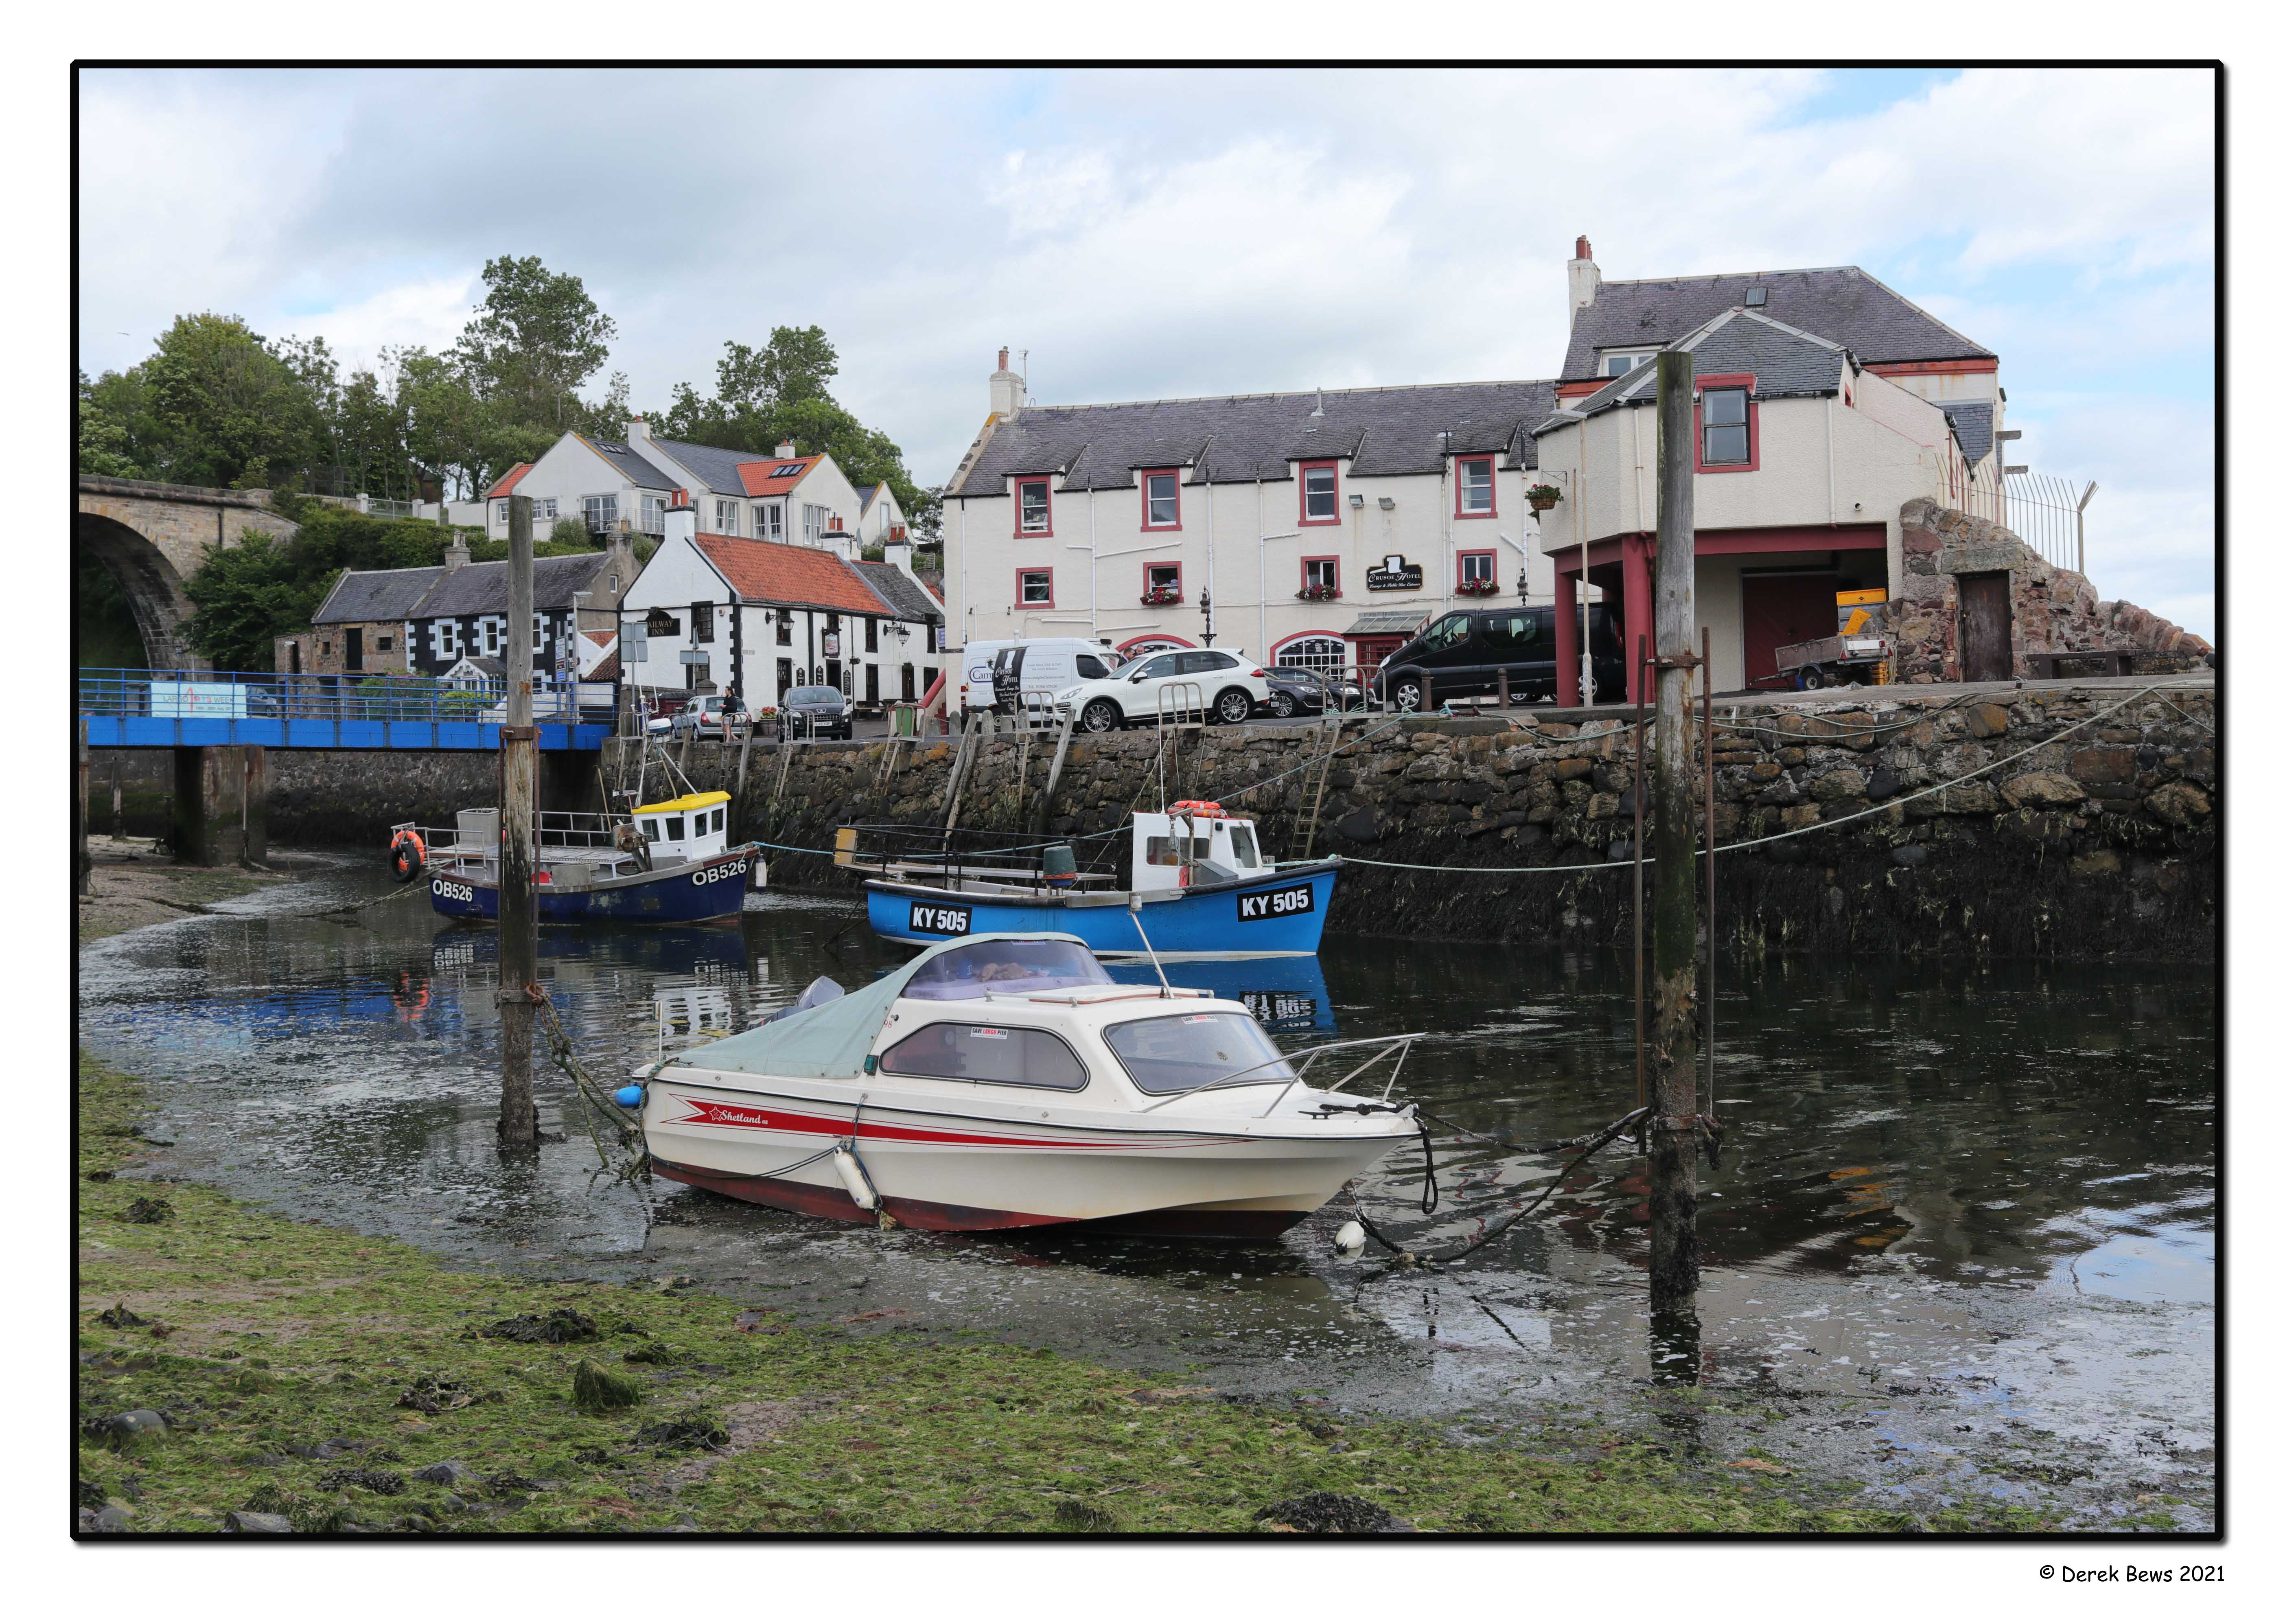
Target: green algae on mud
[[320, 1374]]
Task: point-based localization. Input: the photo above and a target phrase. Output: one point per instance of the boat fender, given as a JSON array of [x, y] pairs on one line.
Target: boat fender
[[1349, 1241], [856, 1178], [630, 1096], [407, 855]]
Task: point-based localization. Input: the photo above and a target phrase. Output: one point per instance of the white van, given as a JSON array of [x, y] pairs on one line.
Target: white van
[[1046, 664]]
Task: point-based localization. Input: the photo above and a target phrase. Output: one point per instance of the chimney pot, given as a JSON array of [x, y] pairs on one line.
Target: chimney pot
[[1004, 359], [1585, 253], [1584, 277]]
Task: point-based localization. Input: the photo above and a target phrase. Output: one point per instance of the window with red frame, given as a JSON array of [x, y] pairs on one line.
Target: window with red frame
[[1319, 493], [1725, 424], [1477, 500], [1159, 500], [1160, 584], [1033, 588], [1035, 513], [1319, 579], [1478, 572]]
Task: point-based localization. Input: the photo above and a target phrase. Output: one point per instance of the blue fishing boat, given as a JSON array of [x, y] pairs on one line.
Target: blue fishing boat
[[1198, 887]]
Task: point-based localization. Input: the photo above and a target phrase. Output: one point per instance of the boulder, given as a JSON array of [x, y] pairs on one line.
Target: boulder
[[242, 1522], [2044, 788], [2180, 804]]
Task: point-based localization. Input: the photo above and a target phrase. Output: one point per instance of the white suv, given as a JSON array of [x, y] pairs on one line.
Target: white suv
[[1188, 683]]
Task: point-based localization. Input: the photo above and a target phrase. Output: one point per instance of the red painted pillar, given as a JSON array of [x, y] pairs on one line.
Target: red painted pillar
[[1635, 560], [1566, 637]]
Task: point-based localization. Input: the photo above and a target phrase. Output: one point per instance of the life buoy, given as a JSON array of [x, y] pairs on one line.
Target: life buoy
[[1204, 807], [407, 855]]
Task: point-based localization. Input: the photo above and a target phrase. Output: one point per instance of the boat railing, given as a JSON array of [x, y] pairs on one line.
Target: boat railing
[[1399, 1045], [553, 830], [954, 855]]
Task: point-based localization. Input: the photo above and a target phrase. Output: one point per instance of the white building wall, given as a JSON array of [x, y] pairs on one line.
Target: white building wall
[[677, 577], [568, 473]]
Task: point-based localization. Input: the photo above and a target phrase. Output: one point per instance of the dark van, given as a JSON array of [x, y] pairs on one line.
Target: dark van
[[1464, 652]]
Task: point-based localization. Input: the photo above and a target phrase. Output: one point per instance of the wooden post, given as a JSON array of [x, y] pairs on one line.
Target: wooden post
[[742, 772], [1706, 752], [518, 1130], [1674, 939], [80, 865], [1642, 792], [1426, 692], [1505, 704], [119, 823]]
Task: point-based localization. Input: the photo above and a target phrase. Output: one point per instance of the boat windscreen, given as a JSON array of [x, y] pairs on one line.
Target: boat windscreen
[[1006, 965], [1164, 1054]]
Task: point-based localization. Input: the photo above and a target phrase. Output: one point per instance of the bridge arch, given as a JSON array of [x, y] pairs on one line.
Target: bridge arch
[[153, 536]]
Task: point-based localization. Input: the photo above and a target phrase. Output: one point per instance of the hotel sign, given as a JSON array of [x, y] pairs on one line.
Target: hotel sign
[[1392, 574]]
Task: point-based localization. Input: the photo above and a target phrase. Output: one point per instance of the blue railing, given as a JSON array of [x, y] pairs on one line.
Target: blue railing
[[170, 709]]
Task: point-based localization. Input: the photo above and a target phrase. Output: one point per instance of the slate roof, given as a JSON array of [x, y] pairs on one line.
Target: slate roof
[[719, 468], [630, 463], [777, 573], [1972, 427], [1386, 430], [375, 595], [1784, 361], [904, 595], [485, 588], [755, 477], [1846, 306]]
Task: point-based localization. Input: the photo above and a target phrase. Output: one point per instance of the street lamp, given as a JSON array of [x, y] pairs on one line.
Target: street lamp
[[1205, 604], [1521, 586]]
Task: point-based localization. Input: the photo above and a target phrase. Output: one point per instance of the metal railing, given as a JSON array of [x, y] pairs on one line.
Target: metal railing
[[315, 695], [2048, 512]]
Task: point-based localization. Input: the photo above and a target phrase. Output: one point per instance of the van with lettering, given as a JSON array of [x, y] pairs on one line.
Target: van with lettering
[[996, 675]]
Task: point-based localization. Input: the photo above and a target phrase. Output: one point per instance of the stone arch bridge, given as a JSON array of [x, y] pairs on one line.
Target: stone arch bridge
[[153, 536]]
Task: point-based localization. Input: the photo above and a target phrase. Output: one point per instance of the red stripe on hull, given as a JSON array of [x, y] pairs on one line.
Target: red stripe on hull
[[718, 1115], [820, 1200]]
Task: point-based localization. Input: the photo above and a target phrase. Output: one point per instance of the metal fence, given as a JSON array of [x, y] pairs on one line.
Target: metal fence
[[2049, 513], [265, 696]]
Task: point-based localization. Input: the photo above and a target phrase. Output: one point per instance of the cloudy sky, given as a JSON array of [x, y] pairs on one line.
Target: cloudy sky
[[1150, 235]]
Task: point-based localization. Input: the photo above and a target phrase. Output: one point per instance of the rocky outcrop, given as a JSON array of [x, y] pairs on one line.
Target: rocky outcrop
[[2052, 610]]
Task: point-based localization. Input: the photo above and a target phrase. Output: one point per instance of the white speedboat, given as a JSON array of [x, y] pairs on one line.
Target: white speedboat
[[1001, 1082]]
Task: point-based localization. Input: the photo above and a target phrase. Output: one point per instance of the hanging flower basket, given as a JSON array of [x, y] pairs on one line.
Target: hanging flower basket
[[1316, 594], [1544, 497], [1159, 597], [1478, 589]]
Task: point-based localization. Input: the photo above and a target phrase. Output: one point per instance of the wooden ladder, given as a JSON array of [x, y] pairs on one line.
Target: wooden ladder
[[1303, 830]]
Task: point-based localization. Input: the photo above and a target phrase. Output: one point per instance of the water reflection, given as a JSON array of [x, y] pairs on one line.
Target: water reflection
[[1949, 1195]]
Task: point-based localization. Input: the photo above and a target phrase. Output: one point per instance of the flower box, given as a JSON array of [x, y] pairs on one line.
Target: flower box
[[1478, 589], [1316, 594], [1161, 596]]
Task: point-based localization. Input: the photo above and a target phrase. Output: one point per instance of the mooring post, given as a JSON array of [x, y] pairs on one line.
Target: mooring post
[[1674, 947], [119, 823], [80, 865], [518, 1129], [1642, 802]]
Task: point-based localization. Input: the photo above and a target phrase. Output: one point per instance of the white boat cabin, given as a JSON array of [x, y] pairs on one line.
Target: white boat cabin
[[1185, 850], [691, 827]]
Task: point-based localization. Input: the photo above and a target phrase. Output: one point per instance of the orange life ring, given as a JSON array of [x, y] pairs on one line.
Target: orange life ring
[[407, 854], [1197, 807]]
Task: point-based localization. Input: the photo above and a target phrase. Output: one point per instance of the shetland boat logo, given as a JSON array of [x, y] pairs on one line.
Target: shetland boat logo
[[745, 1117]]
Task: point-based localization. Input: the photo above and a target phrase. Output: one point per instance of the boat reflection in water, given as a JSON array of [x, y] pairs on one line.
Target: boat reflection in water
[[1282, 992]]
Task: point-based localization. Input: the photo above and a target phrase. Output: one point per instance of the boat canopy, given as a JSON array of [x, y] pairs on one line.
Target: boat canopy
[[830, 1041]]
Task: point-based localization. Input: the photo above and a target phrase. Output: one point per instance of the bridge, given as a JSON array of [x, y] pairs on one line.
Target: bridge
[[153, 536], [190, 709]]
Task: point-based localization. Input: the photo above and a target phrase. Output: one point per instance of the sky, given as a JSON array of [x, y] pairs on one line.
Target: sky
[[1149, 233]]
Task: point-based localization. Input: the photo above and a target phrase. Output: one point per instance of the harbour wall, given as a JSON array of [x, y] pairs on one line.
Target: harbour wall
[[2100, 837]]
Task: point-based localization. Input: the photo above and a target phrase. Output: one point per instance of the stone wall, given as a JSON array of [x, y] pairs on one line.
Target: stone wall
[[2052, 610]]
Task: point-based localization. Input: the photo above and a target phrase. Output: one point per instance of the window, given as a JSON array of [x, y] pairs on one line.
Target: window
[[599, 515], [1201, 661], [541, 632], [1006, 965], [869, 636], [650, 511], [493, 628], [1162, 665], [1319, 493], [1445, 631], [1478, 571], [781, 621], [382, 643], [1091, 667], [705, 623], [1319, 578], [1160, 584], [1035, 588], [717, 819], [442, 638], [1035, 506], [1160, 500], [613, 583], [769, 522], [1623, 363], [652, 829], [1327, 655], [502, 510], [1475, 499], [1242, 844], [675, 826], [729, 517], [1725, 422], [1165, 1054], [817, 522], [545, 508]]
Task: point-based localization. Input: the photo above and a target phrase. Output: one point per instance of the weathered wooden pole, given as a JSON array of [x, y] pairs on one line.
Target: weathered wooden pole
[[518, 1130], [80, 861], [1674, 1148]]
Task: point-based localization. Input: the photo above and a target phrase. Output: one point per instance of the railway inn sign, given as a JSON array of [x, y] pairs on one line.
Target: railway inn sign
[[1391, 574]]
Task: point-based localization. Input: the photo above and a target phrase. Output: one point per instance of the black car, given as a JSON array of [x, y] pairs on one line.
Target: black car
[[1464, 652], [819, 712], [1296, 690]]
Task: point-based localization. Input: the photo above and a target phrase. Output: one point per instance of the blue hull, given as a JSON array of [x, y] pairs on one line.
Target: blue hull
[[708, 892], [1269, 917]]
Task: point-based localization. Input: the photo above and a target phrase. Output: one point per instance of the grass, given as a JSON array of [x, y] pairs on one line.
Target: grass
[[264, 1339]]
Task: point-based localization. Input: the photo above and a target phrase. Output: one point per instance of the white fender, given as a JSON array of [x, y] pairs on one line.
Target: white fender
[[857, 1182]]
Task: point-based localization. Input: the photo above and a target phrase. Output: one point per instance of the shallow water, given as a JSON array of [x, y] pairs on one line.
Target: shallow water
[[1961, 1244]]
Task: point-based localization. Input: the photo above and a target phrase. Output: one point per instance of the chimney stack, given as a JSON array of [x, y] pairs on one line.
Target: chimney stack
[[898, 551], [678, 520], [459, 553], [639, 431], [1005, 391], [787, 449], [1585, 278]]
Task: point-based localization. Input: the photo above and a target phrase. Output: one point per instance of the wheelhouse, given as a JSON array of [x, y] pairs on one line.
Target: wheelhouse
[[1182, 850], [691, 826]]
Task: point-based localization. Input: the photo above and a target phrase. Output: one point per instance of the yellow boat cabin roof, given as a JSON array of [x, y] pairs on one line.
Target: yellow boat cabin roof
[[691, 801]]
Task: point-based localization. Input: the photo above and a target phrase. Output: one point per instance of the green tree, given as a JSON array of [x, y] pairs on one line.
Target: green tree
[[104, 447], [534, 343], [243, 597], [229, 411]]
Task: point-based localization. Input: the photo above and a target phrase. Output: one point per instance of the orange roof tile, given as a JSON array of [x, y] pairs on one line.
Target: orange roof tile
[[508, 483], [758, 480], [775, 572]]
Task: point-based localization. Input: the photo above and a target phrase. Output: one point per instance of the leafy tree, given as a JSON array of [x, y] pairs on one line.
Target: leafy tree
[[535, 341], [104, 447], [229, 411], [246, 595]]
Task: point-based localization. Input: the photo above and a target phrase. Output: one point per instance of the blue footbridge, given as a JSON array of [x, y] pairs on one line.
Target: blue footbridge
[[123, 708]]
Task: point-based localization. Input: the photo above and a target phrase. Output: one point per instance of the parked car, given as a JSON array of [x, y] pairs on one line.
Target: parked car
[[1296, 690], [1464, 652], [1210, 684], [718, 715], [821, 712], [997, 673]]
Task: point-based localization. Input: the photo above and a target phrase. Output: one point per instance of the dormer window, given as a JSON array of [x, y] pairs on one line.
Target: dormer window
[[1728, 436], [1036, 507], [1757, 296], [1615, 363], [1160, 500]]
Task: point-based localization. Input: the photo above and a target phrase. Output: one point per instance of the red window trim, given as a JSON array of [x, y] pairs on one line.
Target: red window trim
[[1464, 554], [1728, 382], [1332, 464], [1459, 510], [1147, 584], [1018, 482], [1331, 559], [1176, 473], [1020, 599]]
